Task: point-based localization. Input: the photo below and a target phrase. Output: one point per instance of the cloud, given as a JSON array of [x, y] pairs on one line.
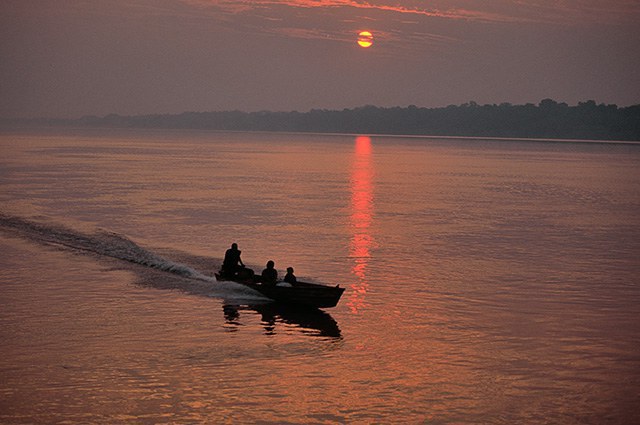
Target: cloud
[[496, 11], [240, 6]]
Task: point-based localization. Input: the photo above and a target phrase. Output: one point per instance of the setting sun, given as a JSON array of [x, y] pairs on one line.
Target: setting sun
[[365, 39]]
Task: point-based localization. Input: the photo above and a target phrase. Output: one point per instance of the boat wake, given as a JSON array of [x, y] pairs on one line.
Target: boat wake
[[152, 269], [173, 270]]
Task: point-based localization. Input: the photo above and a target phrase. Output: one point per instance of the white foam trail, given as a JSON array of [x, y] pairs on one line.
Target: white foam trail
[[102, 243], [117, 246], [113, 245]]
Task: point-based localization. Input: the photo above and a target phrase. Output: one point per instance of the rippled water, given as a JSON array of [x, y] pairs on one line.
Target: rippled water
[[486, 281]]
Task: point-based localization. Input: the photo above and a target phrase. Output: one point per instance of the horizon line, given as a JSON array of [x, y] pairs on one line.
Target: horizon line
[[469, 103]]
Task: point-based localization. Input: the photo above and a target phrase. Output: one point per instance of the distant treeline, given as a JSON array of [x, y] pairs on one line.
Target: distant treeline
[[548, 119]]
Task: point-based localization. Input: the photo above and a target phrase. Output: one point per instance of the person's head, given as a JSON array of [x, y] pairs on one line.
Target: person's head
[[290, 270], [270, 264], [234, 246]]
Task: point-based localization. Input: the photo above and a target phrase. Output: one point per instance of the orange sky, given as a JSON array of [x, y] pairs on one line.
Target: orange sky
[[71, 57]]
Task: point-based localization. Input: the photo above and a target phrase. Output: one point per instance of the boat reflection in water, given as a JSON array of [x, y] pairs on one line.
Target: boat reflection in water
[[361, 217], [310, 321]]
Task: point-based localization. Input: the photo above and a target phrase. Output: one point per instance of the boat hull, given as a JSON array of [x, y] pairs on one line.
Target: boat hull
[[301, 293]]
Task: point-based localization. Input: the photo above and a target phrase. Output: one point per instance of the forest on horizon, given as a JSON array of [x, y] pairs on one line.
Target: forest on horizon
[[547, 120]]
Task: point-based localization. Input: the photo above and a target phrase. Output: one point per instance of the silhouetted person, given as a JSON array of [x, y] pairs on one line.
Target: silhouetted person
[[232, 263], [290, 277], [270, 274]]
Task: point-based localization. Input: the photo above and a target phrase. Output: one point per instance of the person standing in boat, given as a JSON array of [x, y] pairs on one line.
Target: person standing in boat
[[270, 274], [290, 277], [232, 263]]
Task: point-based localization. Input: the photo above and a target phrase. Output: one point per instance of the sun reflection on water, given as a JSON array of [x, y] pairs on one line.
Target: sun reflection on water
[[361, 217]]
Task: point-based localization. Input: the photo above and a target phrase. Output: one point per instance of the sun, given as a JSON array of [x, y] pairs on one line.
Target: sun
[[365, 39]]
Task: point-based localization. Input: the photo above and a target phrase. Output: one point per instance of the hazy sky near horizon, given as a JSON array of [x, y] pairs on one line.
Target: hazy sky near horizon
[[69, 58]]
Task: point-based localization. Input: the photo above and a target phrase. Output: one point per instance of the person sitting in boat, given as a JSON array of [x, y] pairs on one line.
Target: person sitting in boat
[[270, 274], [290, 277], [232, 263]]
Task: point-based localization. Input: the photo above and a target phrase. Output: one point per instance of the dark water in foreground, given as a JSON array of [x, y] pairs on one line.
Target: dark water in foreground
[[487, 281]]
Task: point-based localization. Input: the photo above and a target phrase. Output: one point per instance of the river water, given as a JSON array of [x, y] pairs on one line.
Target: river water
[[488, 282]]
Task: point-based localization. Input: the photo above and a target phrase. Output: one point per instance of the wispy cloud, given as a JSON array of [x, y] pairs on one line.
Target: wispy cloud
[[239, 6], [550, 11]]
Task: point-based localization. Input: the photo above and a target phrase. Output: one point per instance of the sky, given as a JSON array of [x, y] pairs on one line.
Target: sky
[[70, 58]]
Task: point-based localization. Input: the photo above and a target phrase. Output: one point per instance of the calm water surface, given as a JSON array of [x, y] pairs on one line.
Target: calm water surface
[[492, 282]]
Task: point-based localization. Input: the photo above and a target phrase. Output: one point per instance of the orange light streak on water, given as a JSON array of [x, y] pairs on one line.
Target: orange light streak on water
[[361, 218]]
